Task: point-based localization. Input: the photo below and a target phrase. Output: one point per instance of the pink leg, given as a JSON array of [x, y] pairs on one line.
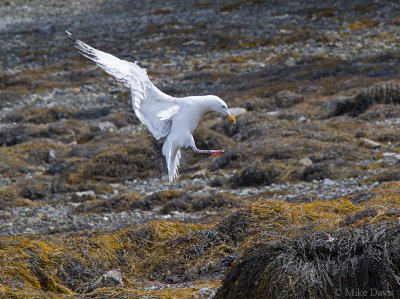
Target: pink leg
[[211, 152]]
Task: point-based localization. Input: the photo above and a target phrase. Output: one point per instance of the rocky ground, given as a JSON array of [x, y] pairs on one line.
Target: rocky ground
[[83, 185]]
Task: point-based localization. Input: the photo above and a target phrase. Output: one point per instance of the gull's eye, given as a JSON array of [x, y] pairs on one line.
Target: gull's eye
[[223, 106]]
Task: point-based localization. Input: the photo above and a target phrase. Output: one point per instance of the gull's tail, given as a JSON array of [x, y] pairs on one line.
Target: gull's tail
[[172, 155]]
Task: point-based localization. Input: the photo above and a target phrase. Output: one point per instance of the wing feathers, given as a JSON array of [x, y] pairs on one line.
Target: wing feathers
[[168, 113], [153, 108]]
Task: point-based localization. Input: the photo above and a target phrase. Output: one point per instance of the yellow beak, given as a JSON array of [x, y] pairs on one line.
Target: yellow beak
[[232, 118]]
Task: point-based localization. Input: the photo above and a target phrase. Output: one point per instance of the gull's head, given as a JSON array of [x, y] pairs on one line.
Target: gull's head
[[218, 105]]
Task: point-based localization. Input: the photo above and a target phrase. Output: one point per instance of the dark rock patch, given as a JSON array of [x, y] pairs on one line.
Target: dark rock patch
[[371, 213], [387, 92], [318, 265], [317, 172], [255, 175]]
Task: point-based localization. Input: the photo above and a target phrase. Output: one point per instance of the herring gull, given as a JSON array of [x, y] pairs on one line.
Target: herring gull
[[164, 115]]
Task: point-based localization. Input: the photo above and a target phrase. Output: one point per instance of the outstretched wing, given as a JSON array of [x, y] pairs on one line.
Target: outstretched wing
[[153, 107]]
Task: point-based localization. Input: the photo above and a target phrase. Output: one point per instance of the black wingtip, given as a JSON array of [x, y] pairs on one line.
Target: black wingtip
[[70, 36]]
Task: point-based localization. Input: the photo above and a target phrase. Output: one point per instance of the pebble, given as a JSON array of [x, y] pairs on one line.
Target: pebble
[[369, 143], [328, 182], [89, 193], [110, 279], [236, 111], [306, 161], [51, 155], [106, 126], [290, 61]]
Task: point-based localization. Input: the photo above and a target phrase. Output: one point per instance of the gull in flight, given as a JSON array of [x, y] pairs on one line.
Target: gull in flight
[[164, 115]]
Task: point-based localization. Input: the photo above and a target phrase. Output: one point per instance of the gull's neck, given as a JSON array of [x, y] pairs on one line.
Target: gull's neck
[[203, 103]]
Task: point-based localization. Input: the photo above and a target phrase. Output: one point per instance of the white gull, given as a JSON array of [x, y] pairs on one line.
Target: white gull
[[164, 115]]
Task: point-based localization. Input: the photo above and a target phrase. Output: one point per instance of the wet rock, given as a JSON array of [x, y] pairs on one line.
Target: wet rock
[[112, 278], [361, 197], [236, 111], [339, 106], [255, 175], [237, 226], [75, 274], [14, 136], [84, 195], [286, 99], [92, 113], [48, 29], [48, 115], [386, 176], [59, 167], [328, 182], [9, 197], [35, 190], [230, 159], [371, 213], [51, 156], [369, 143], [387, 92], [381, 112], [217, 181], [284, 268], [305, 161], [115, 204], [290, 61], [106, 126], [317, 172]]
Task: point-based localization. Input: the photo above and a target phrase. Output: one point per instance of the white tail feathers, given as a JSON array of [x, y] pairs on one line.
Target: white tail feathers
[[172, 156]]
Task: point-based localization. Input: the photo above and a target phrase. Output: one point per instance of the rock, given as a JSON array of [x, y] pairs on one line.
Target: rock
[[35, 189], [392, 155], [85, 195], [236, 111], [106, 126], [273, 113], [286, 99], [48, 29], [230, 159], [290, 62], [92, 113], [194, 43], [369, 143], [306, 161], [370, 212], [328, 182], [361, 197], [387, 92], [282, 268], [255, 175], [317, 172], [338, 106], [115, 91], [51, 155], [303, 119], [112, 278]]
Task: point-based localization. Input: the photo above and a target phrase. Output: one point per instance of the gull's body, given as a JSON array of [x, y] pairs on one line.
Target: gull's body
[[164, 116]]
